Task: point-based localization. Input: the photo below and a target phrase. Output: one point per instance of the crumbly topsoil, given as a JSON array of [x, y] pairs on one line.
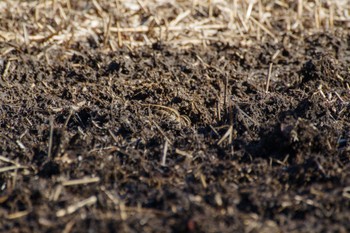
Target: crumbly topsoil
[[158, 139]]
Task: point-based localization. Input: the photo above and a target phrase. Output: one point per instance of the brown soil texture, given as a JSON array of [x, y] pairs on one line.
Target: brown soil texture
[[238, 158]]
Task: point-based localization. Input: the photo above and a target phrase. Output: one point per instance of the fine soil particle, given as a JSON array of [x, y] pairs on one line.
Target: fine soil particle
[[165, 140]]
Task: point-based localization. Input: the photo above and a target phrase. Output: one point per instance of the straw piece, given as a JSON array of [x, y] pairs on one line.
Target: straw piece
[[17, 215], [73, 208], [268, 78], [81, 181], [165, 151], [11, 168], [228, 134], [184, 153]]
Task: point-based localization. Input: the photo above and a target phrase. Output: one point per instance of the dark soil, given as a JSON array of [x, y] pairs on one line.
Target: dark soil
[[283, 165]]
